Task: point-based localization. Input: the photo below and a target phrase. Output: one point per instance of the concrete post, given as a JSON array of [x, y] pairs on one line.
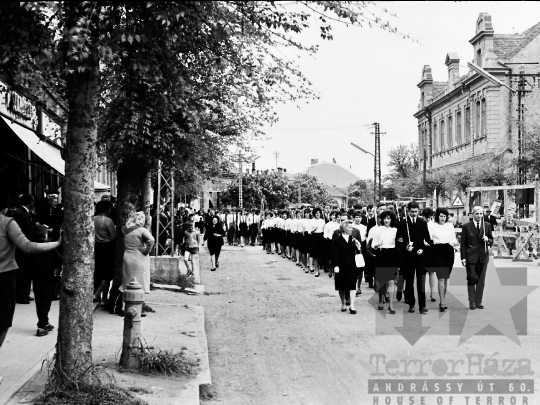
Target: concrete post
[[133, 297]]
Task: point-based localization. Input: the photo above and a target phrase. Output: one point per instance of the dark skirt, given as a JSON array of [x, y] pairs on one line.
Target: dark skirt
[[244, 230], [387, 265], [214, 245], [289, 239], [268, 235], [7, 298], [302, 242], [307, 242], [317, 245], [104, 253], [296, 240], [346, 278], [442, 260], [282, 236]]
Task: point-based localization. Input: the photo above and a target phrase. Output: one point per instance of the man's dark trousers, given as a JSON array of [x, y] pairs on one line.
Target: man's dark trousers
[[476, 279], [411, 269]]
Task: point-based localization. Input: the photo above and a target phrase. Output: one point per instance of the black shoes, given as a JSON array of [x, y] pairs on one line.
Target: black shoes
[[472, 306], [213, 269], [352, 311], [411, 309], [432, 299], [22, 301], [423, 310], [358, 293], [479, 306], [391, 311]]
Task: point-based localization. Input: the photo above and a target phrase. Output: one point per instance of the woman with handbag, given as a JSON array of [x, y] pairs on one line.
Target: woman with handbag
[[214, 234], [387, 259], [344, 250]]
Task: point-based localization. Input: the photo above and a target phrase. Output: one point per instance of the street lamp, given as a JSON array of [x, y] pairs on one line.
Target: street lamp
[[374, 171]]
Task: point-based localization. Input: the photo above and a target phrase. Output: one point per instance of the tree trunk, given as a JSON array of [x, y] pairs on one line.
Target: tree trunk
[[74, 348], [131, 178]]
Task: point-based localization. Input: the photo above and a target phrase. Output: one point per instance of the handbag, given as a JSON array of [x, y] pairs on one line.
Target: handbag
[[359, 259]]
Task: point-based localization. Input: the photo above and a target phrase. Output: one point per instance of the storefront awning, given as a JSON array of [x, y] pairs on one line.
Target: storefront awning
[[101, 187], [44, 150], [47, 152]]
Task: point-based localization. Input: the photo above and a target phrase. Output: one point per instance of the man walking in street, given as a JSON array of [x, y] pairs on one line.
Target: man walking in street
[[476, 238], [412, 236]]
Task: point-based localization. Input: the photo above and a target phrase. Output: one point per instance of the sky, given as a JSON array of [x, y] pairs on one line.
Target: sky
[[367, 75]]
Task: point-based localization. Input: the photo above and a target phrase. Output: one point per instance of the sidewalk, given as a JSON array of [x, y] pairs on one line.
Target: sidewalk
[[178, 322]]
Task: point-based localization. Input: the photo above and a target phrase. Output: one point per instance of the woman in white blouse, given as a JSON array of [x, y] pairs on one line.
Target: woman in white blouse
[[317, 240], [427, 214], [328, 232], [306, 245], [387, 259], [443, 250]]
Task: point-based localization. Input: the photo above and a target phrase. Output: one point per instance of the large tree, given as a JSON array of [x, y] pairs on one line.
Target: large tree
[[169, 80]]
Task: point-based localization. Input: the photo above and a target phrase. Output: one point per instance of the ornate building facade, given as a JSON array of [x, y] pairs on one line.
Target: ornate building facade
[[466, 121]]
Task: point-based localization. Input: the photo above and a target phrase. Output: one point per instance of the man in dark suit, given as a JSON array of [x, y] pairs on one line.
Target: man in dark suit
[[476, 237], [413, 259], [23, 217]]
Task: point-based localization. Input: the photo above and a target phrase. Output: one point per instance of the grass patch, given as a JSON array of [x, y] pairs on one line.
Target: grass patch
[[92, 385], [154, 360], [183, 281]]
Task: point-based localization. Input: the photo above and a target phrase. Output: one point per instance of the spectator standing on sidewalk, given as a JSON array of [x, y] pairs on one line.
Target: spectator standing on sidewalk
[[11, 237], [104, 250], [43, 267], [23, 216], [138, 243]]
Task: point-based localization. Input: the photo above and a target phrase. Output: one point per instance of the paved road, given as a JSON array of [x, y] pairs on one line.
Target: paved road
[[276, 335]]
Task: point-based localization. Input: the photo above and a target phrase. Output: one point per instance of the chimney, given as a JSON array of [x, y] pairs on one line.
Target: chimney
[[284, 170], [314, 161], [426, 87], [452, 62]]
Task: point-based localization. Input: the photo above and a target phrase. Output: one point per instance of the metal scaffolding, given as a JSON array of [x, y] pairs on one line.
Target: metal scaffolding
[[164, 228]]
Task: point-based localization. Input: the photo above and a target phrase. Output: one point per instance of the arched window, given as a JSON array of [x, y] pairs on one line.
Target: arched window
[[450, 131], [477, 121], [484, 121], [458, 127]]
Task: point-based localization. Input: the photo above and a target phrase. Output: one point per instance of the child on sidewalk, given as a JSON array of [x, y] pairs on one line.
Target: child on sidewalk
[[192, 241], [43, 267]]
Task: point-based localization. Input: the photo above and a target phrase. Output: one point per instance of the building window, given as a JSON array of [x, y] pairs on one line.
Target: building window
[[441, 134], [477, 121], [422, 101], [479, 58], [484, 126], [467, 124], [435, 143], [458, 127], [450, 131]]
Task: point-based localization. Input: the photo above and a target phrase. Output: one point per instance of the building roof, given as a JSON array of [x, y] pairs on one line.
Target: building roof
[[336, 191], [438, 88], [507, 45], [330, 165]]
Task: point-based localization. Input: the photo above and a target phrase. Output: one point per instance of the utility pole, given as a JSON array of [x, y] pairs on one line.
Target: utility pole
[[377, 169], [240, 196], [521, 93], [276, 155]]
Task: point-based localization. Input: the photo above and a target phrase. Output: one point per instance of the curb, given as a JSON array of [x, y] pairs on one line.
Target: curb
[[15, 388]]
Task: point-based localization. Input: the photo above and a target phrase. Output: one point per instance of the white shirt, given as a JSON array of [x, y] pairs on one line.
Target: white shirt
[[373, 232], [287, 224], [442, 233], [306, 225], [329, 229], [362, 228], [230, 219], [317, 225], [385, 238]]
